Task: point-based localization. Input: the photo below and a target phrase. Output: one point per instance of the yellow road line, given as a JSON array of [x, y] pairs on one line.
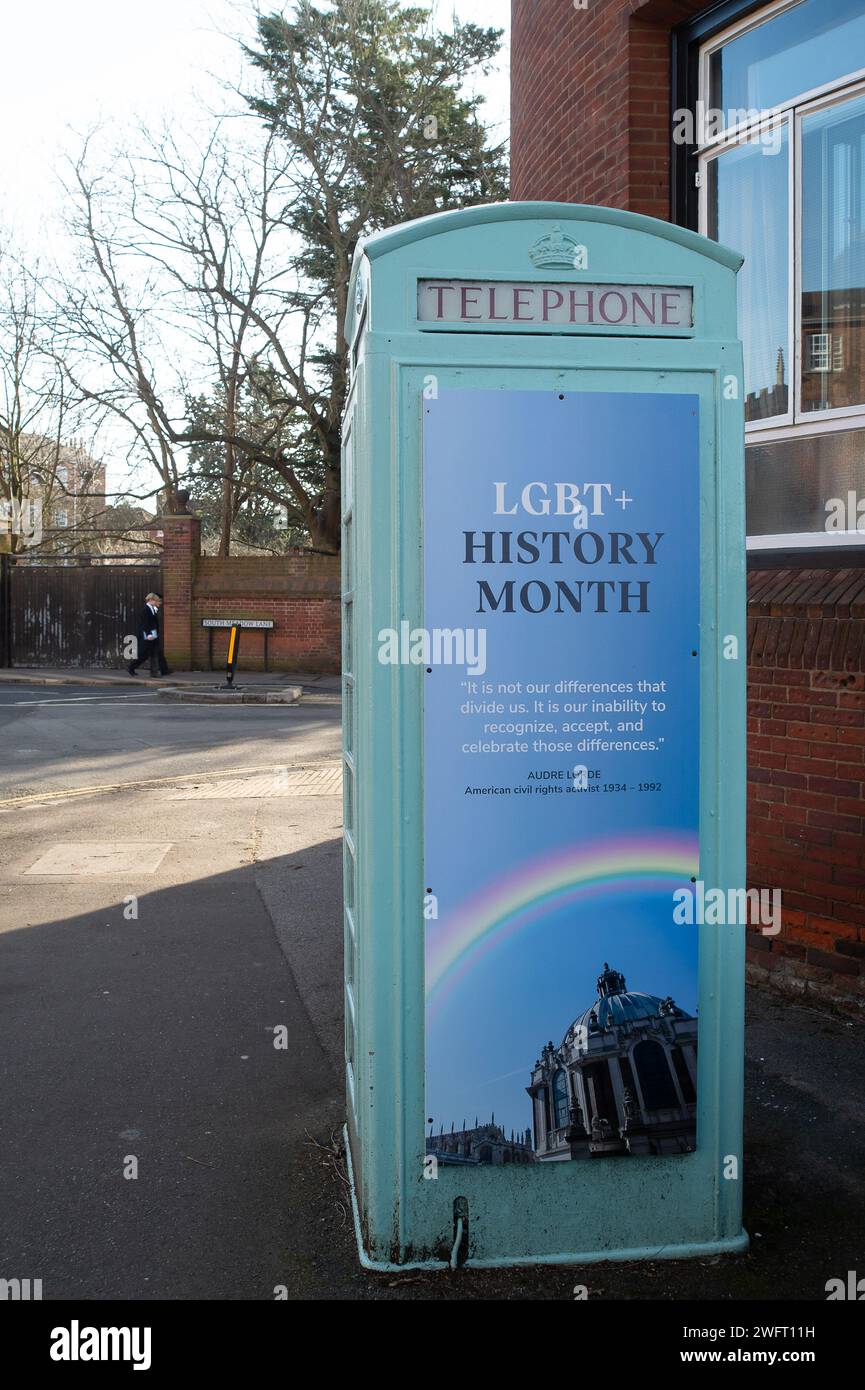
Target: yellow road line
[[141, 782]]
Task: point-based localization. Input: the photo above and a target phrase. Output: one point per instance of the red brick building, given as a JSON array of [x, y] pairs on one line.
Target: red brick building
[[746, 121]]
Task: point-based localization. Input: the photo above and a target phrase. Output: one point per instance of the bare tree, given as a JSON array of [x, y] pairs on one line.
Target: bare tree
[[206, 315], [33, 409], [109, 344], [215, 222], [182, 284]]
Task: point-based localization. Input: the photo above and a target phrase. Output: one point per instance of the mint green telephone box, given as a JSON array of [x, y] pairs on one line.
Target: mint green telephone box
[[544, 740]]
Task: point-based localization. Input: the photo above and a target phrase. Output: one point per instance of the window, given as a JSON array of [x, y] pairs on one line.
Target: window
[[833, 250], [819, 351], [61, 474], [545, 1096], [61, 516], [748, 205], [599, 1093], [686, 1085], [560, 1099], [656, 1083], [784, 50], [780, 170]]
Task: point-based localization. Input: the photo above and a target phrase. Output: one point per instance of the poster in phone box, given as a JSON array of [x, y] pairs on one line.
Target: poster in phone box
[[561, 535]]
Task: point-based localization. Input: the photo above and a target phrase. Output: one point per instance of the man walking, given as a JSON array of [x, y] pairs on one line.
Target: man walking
[[149, 639]]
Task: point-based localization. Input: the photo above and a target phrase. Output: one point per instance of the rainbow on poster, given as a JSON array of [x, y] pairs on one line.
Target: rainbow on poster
[[637, 864]]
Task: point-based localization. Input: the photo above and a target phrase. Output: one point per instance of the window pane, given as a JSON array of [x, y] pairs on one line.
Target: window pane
[[815, 42], [347, 638], [790, 482], [348, 798], [659, 1092], [348, 556], [833, 257], [748, 200], [560, 1099]]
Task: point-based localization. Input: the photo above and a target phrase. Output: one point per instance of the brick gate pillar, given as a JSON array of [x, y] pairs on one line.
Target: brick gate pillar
[[181, 550]]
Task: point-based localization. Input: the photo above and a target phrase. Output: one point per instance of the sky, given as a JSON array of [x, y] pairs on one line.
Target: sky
[[71, 67]]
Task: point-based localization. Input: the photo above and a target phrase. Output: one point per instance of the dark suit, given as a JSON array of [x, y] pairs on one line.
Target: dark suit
[[150, 648]]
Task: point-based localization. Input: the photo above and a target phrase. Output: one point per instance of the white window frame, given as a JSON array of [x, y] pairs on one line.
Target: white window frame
[[795, 424], [735, 31], [821, 354]]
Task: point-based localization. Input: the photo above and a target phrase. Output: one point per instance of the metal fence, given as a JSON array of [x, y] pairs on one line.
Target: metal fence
[[71, 614]]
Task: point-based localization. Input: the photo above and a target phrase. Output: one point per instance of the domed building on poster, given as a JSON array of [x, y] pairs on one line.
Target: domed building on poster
[[622, 1080]]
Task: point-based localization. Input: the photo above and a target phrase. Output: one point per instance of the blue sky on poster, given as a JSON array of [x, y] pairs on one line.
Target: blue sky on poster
[[113, 63]]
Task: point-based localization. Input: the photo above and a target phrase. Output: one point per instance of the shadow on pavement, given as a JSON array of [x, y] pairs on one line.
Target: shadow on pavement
[[153, 1040]]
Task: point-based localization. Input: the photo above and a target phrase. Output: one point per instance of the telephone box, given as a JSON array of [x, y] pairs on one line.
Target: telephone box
[[544, 747]]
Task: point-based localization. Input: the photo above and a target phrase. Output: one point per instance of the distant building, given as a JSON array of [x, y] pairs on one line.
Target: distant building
[[66, 481], [622, 1081], [486, 1143], [769, 400], [54, 494], [833, 347]]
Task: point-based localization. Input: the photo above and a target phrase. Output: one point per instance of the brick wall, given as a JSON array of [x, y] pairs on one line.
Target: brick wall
[[300, 592], [591, 123], [806, 780], [590, 101], [181, 542]]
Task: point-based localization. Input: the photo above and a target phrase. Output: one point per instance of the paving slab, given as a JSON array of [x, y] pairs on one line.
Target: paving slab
[[88, 860]]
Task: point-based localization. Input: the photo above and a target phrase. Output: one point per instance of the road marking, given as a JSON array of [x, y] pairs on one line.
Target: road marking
[[326, 781], [147, 696], [80, 699], [184, 777]]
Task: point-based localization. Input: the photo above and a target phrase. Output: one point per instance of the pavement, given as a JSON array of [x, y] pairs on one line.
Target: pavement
[[171, 1032]]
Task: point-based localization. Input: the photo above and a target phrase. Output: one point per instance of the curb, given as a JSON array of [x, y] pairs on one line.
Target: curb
[[145, 682], [289, 695], [60, 680]]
